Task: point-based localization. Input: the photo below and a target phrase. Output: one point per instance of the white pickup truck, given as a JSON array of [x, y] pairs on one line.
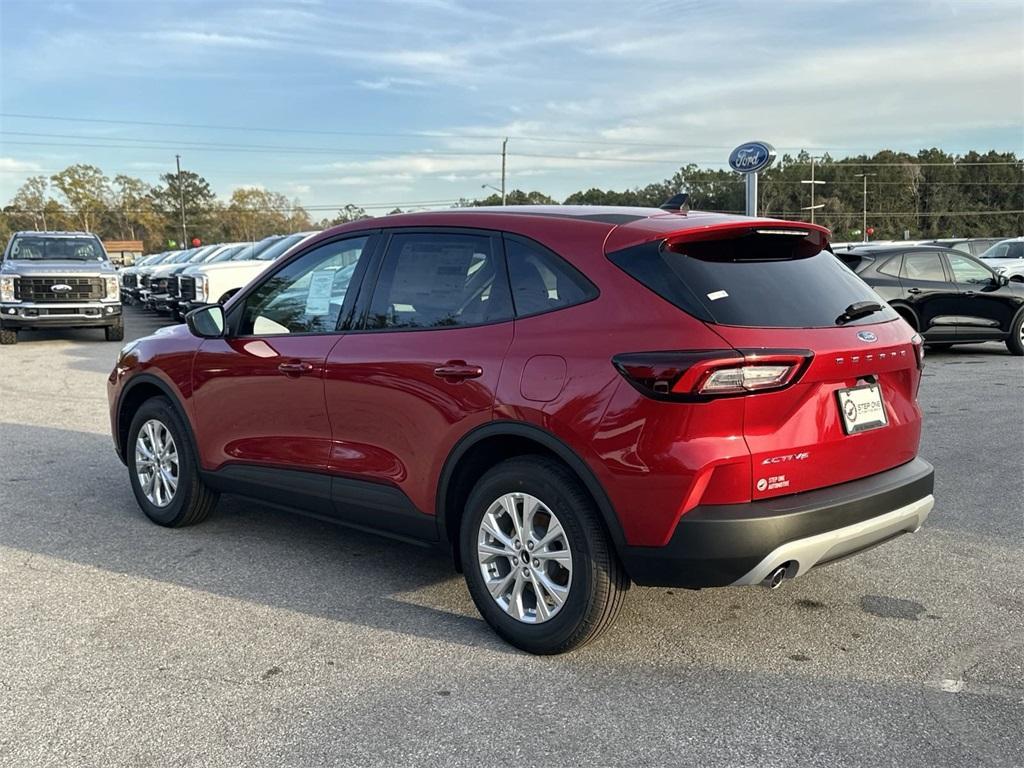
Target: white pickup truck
[[215, 283]]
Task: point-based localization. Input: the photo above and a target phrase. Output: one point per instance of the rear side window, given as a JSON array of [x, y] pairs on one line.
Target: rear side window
[[892, 266], [923, 266], [542, 281], [755, 280], [439, 280]]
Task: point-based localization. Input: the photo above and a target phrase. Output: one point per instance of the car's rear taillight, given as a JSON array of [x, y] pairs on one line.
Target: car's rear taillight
[[696, 376], [918, 344]]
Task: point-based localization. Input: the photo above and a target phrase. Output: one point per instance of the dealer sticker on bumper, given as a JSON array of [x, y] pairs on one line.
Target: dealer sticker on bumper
[[862, 408]]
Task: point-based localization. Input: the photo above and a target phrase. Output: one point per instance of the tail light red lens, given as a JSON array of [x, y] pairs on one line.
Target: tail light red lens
[[696, 376]]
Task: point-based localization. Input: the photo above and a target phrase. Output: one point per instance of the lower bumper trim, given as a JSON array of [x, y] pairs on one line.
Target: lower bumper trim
[[804, 554]]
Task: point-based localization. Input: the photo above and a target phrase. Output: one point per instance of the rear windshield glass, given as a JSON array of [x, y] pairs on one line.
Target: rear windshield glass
[[756, 280], [38, 248]]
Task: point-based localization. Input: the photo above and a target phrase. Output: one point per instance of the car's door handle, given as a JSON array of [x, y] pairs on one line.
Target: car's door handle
[[968, 293], [457, 369], [913, 290], [295, 367]]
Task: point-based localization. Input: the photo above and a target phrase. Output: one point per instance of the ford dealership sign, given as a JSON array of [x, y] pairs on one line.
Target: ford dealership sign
[[752, 157]]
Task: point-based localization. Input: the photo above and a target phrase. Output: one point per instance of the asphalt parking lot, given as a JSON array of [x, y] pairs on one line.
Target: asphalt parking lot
[[260, 638]]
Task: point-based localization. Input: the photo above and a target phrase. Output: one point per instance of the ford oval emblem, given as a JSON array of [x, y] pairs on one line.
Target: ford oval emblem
[[752, 157], [867, 336], [60, 288]]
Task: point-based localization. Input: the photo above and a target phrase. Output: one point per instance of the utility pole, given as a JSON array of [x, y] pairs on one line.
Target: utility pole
[[504, 146], [812, 207], [181, 199], [864, 221]]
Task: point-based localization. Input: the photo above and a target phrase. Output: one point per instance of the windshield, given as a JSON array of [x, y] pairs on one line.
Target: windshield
[[254, 250], [42, 248], [281, 246], [201, 254], [1010, 250], [226, 254]]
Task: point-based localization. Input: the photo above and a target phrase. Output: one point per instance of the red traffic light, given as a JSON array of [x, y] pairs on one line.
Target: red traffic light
[[196, 242]]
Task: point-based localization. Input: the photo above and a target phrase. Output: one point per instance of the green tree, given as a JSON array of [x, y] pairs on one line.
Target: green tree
[[86, 191], [29, 204], [201, 212], [350, 213]]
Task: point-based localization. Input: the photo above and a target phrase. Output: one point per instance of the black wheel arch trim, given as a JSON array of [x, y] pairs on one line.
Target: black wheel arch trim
[[900, 307], [508, 428], [148, 378]]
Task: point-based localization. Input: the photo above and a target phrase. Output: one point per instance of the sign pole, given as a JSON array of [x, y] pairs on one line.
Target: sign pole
[[750, 159]]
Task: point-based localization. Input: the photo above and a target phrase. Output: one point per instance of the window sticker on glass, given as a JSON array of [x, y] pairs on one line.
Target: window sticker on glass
[[318, 300], [716, 295]]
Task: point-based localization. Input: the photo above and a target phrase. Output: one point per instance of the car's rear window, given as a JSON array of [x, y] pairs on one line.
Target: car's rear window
[[756, 280]]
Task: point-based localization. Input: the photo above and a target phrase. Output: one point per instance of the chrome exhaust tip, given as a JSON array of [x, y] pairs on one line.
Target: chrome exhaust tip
[[774, 579]]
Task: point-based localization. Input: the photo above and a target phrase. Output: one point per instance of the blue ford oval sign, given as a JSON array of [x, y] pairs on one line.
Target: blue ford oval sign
[[752, 157], [867, 336]]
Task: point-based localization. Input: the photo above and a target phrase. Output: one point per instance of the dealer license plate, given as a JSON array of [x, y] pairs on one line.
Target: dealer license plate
[[862, 408]]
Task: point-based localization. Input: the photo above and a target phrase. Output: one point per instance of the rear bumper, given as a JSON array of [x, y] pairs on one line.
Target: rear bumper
[[739, 544]]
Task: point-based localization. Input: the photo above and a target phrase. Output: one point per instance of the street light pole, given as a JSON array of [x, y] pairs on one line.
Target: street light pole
[[504, 146], [181, 199], [864, 220]]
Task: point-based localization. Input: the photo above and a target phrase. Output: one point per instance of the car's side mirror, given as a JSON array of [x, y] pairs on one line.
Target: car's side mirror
[[1001, 280], [207, 322]]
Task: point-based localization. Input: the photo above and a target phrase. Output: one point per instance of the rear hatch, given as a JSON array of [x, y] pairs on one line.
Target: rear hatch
[[774, 295]]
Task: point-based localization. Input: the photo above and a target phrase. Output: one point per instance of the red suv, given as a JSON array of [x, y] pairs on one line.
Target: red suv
[[568, 399]]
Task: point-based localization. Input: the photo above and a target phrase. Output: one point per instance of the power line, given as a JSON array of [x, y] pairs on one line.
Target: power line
[[383, 134]]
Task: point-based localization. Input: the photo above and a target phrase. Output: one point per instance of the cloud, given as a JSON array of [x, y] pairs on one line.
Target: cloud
[[13, 165]]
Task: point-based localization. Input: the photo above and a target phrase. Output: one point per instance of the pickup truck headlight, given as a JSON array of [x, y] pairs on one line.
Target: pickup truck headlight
[[7, 288], [113, 287], [202, 287]]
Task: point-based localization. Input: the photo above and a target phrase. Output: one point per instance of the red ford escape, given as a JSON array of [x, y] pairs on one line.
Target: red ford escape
[[568, 399]]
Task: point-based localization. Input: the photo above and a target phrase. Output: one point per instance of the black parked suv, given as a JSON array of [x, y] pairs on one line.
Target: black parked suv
[[58, 280], [946, 295]]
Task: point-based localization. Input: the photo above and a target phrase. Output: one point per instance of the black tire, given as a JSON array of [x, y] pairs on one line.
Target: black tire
[[939, 347], [598, 584], [115, 332], [8, 336], [1015, 341], [192, 501]]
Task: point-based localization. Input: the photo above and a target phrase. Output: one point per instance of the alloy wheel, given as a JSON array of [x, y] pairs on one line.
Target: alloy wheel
[[524, 557], [156, 463]]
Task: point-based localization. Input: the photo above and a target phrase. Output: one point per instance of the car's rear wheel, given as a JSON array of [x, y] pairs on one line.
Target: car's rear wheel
[[115, 332], [1015, 341], [8, 336], [539, 564], [163, 467]]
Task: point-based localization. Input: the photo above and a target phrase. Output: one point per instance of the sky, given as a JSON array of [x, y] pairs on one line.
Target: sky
[[406, 102]]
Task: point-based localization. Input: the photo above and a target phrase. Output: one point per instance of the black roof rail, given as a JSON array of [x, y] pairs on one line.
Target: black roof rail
[[678, 203]]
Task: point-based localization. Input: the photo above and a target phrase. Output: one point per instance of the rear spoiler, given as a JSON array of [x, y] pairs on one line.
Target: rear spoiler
[[730, 230]]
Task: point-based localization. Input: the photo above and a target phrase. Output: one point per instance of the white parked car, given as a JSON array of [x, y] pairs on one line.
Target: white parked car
[[215, 283], [1004, 253]]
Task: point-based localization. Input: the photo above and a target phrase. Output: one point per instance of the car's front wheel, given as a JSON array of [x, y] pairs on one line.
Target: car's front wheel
[[538, 562], [163, 467]]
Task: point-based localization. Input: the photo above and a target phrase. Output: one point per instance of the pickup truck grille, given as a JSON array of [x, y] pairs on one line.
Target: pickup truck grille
[[187, 288], [40, 289]]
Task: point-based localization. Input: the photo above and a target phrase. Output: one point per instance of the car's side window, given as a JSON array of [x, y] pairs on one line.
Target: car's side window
[[892, 266], [307, 295], [542, 281], [967, 270], [923, 266], [439, 280]]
